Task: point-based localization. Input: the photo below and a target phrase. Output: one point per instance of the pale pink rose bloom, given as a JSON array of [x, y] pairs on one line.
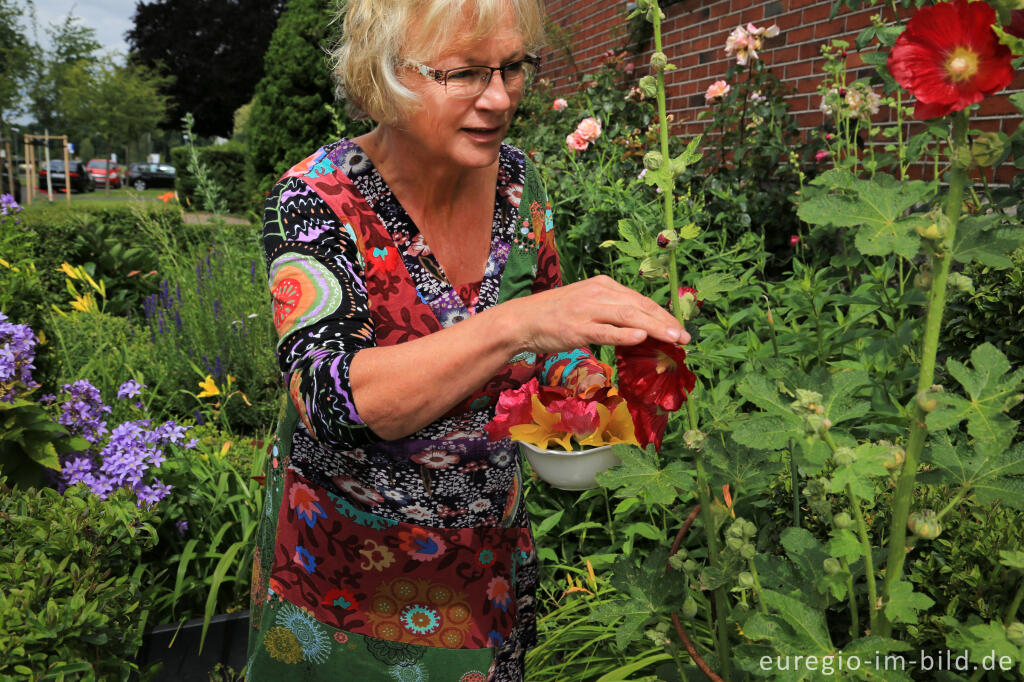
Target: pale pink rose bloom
[[772, 31], [589, 129], [737, 40], [754, 30], [577, 142], [716, 90], [559, 104]]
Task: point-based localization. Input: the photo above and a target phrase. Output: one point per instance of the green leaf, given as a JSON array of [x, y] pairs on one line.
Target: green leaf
[[712, 284], [983, 640], [904, 603], [767, 431], [876, 208], [547, 524], [859, 474], [639, 476], [993, 474], [791, 628], [976, 240], [844, 545], [1012, 558], [989, 385]]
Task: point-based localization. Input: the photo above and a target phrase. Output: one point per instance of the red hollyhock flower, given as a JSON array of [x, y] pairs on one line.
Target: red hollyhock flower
[[649, 423], [654, 373], [949, 58], [514, 407]]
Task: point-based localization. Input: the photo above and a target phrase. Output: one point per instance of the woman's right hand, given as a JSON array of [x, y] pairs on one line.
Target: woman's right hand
[[598, 310]]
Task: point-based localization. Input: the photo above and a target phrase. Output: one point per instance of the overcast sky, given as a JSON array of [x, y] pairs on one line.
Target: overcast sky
[[110, 18]]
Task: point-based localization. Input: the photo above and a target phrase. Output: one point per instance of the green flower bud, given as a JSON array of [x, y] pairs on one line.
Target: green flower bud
[[748, 551], [923, 280], [932, 231], [924, 524], [844, 456], [926, 402], [832, 565], [961, 282], [653, 160], [694, 439], [668, 239], [988, 148], [734, 543], [842, 521], [690, 567], [961, 158], [658, 60], [745, 579], [689, 608], [1015, 633], [821, 507], [897, 455], [649, 86], [650, 15], [652, 269]]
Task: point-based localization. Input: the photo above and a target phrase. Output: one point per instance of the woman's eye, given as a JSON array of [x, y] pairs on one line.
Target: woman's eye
[[514, 67], [466, 74]]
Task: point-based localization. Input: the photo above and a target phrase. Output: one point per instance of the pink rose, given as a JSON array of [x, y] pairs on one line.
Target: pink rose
[[589, 129], [559, 104], [716, 90], [577, 142]]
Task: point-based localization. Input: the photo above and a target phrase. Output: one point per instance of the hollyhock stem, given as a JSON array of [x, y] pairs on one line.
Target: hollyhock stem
[[703, 493], [940, 262]]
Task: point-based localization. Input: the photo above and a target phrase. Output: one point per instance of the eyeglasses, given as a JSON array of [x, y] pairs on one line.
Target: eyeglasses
[[470, 81]]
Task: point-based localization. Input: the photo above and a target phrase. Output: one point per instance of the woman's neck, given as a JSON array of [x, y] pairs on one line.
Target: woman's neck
[[422, 184]]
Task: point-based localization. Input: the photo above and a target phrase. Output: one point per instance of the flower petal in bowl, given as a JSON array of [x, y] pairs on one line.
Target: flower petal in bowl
[[573, 470]]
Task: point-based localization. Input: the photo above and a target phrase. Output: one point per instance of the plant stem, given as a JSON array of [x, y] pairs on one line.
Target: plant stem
[[794, 476], [953, 503], [1011, 611], [869, 564], [757, 585], [941, 262]]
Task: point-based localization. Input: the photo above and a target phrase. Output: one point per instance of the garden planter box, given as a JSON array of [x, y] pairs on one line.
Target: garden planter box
[[226, 642]]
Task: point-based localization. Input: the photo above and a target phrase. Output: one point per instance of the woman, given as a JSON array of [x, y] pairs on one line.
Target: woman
[[414, 277]]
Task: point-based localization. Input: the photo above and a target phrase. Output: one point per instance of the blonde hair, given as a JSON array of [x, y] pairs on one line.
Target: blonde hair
[[376, 38]]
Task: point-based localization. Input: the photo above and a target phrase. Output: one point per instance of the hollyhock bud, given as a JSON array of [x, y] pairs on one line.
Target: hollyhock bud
[[745, 579], [694, 439], [649, 86], [821, 155], [658, 60], [689, 304], [988, 148], [690, 608], [897, 455], [842, 521], [794, 240], [844, 456], [831, 565], [961, 282], [1015, 633], [652, 269], [653, 160], [924, 524], [667, 239]]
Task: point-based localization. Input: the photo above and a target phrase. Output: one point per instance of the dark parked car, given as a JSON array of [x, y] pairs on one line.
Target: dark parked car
[[143, 175], [80, 180], [98, 169]]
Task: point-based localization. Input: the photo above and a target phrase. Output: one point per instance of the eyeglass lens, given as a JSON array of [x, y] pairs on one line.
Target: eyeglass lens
[[473, 80]]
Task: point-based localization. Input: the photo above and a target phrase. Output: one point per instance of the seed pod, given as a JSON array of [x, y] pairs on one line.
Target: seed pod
[[653, 160], [649, 86], [832, 565], [1015, 633], [988, 148], [924, 525], [842, 521], [689, 608], [658, 60], [745, 579]]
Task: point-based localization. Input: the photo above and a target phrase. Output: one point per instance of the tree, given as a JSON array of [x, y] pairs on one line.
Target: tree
[[118, 102], [15, 53], [294, 110], [71, 43], [213, 48]]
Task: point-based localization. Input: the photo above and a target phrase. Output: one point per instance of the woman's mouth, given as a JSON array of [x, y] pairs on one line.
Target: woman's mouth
[[483, 134]]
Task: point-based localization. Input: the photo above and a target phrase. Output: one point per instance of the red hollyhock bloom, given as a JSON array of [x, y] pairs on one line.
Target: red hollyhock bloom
[[513, 408], [649, 423], [949, 58], [654, 373], [1016, 26]]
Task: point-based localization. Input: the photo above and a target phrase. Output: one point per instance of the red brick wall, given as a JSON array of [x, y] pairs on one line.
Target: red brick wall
[[693, 38]]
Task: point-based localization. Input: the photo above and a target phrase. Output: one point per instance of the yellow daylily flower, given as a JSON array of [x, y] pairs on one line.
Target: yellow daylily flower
[[614, 427], [85, 304], [541, 433], [68, 270], [209, 387], [224, 448]]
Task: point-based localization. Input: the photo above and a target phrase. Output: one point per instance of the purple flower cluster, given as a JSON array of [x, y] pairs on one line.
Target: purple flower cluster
[[133, 450], [8, 206], [17, 354]]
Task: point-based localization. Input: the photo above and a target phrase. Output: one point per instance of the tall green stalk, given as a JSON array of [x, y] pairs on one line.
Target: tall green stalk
[[703, 491], [940, 262]]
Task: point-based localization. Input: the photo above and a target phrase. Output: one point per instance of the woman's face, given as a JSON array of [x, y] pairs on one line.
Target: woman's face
[[466, 132]]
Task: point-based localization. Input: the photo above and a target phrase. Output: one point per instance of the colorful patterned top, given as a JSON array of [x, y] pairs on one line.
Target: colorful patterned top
[[414, 552]]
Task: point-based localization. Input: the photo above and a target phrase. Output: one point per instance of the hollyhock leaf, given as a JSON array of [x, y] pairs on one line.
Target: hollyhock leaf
[[904, 603], [767, 431], [712, 285], [639, 474], [975, 240]]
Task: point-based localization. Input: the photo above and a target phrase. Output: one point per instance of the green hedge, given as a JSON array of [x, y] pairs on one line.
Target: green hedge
[[70, 594], [226, 164]]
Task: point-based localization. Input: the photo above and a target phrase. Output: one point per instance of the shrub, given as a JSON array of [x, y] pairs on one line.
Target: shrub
[[70, 594], [226, 165]]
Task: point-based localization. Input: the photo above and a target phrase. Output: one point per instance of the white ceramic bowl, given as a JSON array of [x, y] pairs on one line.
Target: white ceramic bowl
[[570, 470]]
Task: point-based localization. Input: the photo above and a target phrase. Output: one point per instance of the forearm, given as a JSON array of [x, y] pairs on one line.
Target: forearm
[[400, 389]]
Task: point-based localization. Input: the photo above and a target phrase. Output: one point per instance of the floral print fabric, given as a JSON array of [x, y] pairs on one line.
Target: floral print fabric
[[394, 541]]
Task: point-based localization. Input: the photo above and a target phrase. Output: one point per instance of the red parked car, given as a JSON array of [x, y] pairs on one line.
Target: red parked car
[[97, 169]]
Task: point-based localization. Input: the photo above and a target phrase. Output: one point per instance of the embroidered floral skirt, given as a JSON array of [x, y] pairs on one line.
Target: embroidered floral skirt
[[342, 594]]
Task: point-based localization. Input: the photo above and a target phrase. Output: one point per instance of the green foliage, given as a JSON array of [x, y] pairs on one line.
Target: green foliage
[[294, 110], [226, 165], [31, 443], [70, 595]]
